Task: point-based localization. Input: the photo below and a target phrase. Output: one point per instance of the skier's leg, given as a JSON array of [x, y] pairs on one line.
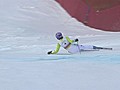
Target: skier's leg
[[86, 47]]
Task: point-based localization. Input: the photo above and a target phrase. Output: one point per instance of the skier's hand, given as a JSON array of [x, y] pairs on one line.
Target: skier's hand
[[50, 52], [76, 40]]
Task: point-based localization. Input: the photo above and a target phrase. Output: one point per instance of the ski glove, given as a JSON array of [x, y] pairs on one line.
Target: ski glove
[[76, 40], [50, 52]]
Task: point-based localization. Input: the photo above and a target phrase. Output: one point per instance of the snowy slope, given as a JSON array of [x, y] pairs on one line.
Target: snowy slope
[[27, 33]]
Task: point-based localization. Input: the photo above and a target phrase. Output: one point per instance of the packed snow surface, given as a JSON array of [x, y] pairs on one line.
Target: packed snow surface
[[27, 33]]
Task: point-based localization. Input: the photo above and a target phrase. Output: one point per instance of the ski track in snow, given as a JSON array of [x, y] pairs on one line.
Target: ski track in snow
[[29, 29]]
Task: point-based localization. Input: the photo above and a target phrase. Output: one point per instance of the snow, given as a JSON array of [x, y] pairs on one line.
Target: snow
[[27, 29]]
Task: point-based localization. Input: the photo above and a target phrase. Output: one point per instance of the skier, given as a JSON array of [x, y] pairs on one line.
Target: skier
[[72, 46]]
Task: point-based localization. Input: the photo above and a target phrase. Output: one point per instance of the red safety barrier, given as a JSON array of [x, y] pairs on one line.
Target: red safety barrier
[[100, 14]]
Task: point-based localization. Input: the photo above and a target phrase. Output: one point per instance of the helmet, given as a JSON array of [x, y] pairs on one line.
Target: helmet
[[59, 35]]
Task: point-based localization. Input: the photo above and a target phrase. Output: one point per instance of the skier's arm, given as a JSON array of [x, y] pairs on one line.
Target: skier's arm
[[56, 50], [69, 40]]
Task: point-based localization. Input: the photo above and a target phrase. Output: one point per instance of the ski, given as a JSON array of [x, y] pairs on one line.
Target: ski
[[106, 48]]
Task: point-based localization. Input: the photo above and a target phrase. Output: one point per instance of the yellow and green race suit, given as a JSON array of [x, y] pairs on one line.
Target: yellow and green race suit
[[71, 47], [65, 43]]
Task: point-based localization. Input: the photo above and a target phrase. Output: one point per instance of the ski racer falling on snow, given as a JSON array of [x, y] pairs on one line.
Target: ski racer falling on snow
[[72, 46]]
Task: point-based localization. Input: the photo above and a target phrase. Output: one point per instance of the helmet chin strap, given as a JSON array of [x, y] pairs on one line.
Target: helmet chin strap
[[60, 38]]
